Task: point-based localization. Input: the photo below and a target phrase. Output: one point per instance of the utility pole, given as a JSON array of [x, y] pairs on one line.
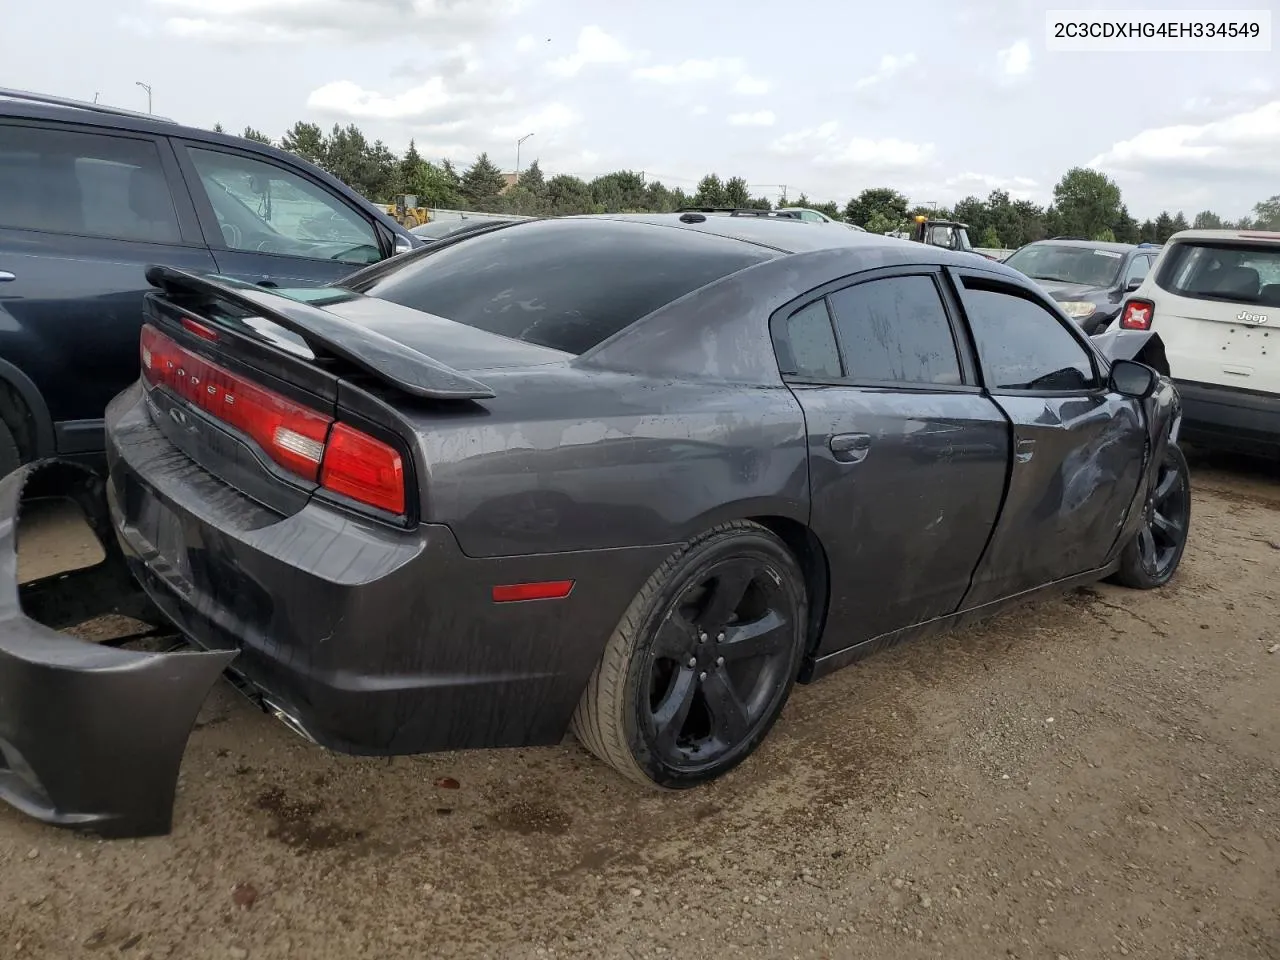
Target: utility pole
[[95, 96], [518, 142], [146, 87]]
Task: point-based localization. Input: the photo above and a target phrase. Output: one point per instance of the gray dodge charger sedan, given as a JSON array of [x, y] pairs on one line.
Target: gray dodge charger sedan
[[629, 476]]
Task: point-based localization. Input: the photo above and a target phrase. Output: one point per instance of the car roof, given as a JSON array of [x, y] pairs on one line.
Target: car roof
[[1090, 244], [1266, 236], [12, 104], [782, 234]]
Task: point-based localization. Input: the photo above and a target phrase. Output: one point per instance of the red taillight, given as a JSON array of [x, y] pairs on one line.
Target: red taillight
[[542, 590], [358, 466], [294, 436], [199, 329], [1137, 315]]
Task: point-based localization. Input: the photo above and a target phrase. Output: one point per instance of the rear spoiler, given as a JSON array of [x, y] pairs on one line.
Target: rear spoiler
[[389, 361]]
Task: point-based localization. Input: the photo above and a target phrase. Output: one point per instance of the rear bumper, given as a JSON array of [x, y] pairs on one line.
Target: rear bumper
[[1246, 420], [365, 638], [90, 736]]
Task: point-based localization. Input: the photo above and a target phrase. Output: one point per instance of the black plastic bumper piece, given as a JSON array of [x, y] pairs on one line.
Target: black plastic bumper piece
[[91, 736], [1231, 418]]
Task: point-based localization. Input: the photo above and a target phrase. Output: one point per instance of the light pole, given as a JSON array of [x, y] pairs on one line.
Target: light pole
[[146, 87], [518, 142]]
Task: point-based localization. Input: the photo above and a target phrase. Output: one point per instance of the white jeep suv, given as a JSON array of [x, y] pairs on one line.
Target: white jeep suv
[[1214, 298]]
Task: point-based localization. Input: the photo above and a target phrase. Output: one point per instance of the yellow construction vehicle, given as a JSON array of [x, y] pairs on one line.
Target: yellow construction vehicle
[[407, 212]]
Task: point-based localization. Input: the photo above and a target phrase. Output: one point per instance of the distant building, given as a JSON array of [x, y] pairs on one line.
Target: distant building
[[511, 182]]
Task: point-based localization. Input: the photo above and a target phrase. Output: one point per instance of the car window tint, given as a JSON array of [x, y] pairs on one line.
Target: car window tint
[[565, 284], [1137, 269], [62, 181], [896, 330], [1022, 345], [809, 346], [264, 208], [1231, 271]]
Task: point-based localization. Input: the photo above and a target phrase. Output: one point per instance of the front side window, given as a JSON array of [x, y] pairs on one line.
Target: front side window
[[264, 208], [1230, 271], [84, 184], [1137, 270], [896, 330], [1022, 345]]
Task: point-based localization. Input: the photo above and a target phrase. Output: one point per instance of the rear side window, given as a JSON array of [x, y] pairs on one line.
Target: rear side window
[[1232, 271], [808, 348], [564, 284], [896, 330], [63, 181]]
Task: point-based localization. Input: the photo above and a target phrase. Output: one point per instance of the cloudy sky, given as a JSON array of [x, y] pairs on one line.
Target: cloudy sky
[[938, 99]]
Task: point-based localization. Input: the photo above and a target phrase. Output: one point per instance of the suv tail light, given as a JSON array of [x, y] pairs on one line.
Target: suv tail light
[[1137, 314], [310, 445]]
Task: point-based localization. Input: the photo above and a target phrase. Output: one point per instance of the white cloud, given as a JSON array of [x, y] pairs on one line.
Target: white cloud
[[344, 21], [525, 44], [549, 120], [981, 184], [429, 101], [890, 66], [1015, 59], [700, 111], [1242, 143], [702, 71], [825, 146], [594, 47], [761, 118]]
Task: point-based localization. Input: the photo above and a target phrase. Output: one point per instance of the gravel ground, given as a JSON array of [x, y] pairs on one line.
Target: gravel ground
[[1092, 776]]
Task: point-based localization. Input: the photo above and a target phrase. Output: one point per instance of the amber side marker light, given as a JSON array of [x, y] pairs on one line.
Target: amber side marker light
[[541, 590]]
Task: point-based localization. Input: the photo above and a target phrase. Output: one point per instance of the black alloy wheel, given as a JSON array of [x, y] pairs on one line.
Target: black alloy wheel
[[1152, 557]]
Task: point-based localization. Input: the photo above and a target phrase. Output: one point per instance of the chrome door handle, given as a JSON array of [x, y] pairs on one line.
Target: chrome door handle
[[1024, 451], [850, 447], [6, 275]]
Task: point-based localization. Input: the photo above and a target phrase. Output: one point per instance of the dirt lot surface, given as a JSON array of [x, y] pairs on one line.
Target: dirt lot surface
[[1093, 776]]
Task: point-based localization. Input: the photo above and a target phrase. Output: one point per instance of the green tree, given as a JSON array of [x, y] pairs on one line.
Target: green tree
[[434, 186], [975, 214], [482, 182], [1147, 232], [257, 136], [1164, 227], [1266, 215], [736, 193], [1180, 222], [710, 193], [1105, 235], [879, 223], [218, 128], [617, 192], [407, 169], [307, 141], [887, 202], [989, 238], [1125, 229], [1086, 201], [531, 179], [568, 195], [1207, 220]]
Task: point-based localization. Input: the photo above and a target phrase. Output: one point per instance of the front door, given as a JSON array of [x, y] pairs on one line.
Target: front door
[[1078, 449], [270, 225], [907, 457]]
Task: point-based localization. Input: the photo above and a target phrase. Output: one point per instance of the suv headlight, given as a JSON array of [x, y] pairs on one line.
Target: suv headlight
[[1079, 309]]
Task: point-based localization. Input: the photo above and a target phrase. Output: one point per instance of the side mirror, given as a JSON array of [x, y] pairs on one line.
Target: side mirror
[[1132, 379], [1133, 284]]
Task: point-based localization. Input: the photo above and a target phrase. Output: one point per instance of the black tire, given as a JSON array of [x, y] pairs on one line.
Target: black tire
[[10, 455], [1152, 557], [618, 719]]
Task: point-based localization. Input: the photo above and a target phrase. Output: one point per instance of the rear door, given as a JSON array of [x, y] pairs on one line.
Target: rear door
[[272, 224], [907, 457], [83, 212], [1218, 310], [1078, 449]]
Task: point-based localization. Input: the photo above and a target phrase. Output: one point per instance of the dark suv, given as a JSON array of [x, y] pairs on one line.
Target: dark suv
[[1088, 278], [89, 196]]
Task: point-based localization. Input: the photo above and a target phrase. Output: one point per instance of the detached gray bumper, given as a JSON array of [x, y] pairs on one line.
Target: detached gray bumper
[[91, 736]]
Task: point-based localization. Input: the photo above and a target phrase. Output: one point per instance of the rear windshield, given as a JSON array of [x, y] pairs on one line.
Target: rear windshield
[[565, 284], [1232, 271]]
